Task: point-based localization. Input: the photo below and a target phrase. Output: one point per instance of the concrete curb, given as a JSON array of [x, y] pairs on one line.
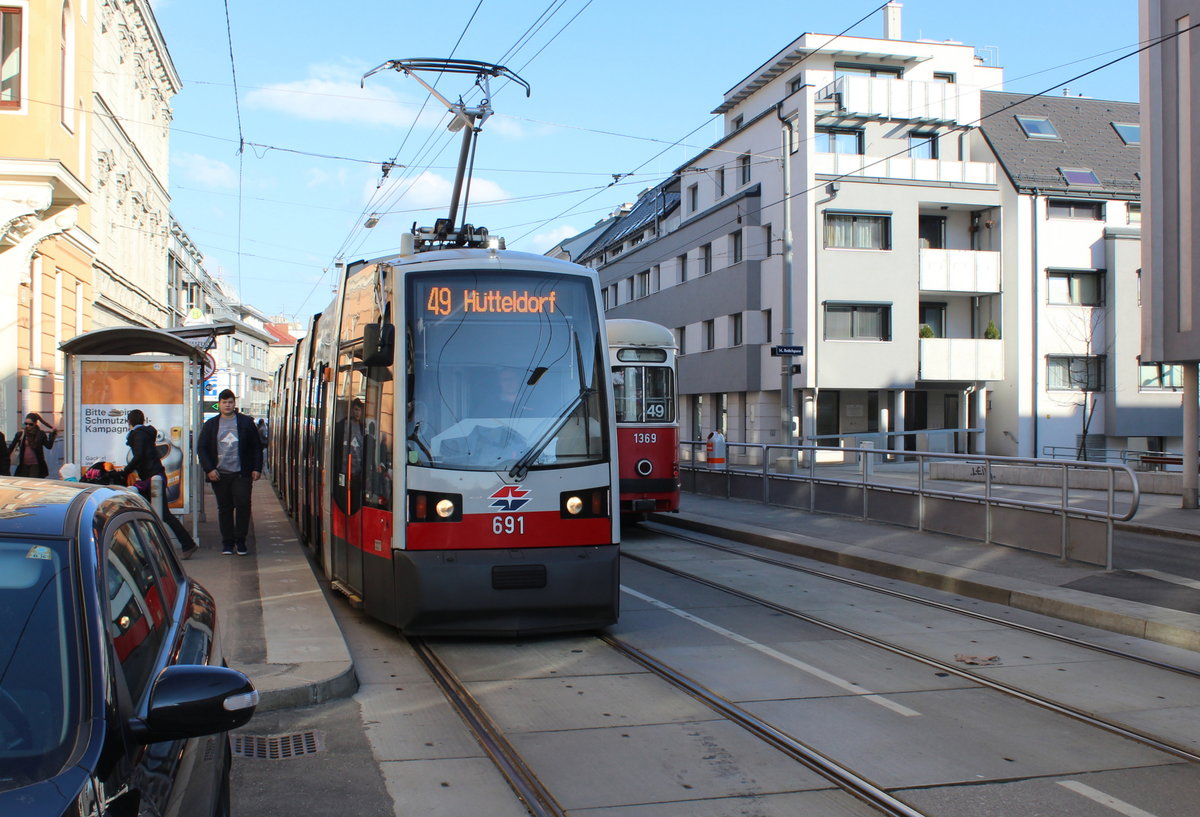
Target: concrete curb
[[1176, 628]]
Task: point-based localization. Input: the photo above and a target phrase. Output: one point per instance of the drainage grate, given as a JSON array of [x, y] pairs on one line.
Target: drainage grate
[[278, 747]]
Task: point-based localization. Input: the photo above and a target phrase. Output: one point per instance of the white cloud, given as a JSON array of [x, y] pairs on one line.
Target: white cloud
[[430, 190], [213, 173], [543, 241], [332, 93]]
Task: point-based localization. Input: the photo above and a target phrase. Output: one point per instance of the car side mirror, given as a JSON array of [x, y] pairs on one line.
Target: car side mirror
[[192, 700], [379, 344]]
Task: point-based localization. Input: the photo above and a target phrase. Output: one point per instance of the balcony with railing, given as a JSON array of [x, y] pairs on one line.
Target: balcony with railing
[[961, 359], [975, 272], [921, 102], [904, 167]]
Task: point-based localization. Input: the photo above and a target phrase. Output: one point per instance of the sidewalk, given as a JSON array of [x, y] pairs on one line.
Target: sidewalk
[[275, 620]]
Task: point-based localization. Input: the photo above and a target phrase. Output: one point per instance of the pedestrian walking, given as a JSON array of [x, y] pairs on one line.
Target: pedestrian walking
[[146, 463], [31, 446], [231, 455]]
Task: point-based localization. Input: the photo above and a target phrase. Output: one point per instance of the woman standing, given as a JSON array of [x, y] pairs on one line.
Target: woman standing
[[31, 445]]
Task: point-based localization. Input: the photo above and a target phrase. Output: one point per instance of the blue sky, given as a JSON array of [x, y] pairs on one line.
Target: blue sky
[[618, 87]]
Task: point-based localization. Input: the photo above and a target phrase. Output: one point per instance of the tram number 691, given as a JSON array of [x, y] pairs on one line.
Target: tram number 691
[[508, 525]]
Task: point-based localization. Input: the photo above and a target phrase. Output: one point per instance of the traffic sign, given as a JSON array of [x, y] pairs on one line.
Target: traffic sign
[[786, 351]]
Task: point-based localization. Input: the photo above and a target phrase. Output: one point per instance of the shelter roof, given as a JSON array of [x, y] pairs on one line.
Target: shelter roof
[[130, 340]]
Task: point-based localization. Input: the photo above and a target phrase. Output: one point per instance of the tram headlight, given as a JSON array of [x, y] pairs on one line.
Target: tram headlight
[[426, 506], [591, 503]]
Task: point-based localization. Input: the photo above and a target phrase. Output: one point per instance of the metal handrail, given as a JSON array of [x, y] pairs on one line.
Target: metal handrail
[[806, 462]]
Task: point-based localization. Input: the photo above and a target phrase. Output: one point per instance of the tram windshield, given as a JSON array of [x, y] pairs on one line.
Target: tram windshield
[[644, 394], [503, 371]]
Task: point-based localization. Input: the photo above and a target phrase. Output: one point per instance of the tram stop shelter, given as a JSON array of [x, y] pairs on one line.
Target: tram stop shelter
[[109, 372]]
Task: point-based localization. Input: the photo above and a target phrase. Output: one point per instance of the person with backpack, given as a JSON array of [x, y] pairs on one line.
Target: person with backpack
[[146, 463]]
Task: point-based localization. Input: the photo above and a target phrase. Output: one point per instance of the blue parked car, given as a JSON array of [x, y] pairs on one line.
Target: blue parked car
[[114, 697]]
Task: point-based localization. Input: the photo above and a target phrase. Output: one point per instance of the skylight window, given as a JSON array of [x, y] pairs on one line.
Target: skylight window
[[1080, 176], [1130, 132], [1037, 127]]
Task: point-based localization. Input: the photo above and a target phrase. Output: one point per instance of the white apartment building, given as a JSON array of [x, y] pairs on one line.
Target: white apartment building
[[893, 204], [961, 260], [1074, 385]]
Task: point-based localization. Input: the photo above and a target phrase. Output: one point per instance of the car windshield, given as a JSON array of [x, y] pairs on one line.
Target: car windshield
[[39, 690]]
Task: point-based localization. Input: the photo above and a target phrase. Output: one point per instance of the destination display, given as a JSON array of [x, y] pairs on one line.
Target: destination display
[[444, 300]]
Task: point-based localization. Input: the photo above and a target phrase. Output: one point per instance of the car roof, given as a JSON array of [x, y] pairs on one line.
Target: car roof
[[44, 507]]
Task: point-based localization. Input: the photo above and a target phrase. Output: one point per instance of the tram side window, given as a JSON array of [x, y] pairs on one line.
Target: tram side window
[[377, 441]]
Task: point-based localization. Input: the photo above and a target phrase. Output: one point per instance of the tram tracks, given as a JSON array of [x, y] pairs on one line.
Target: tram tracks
[[517, 744], [1056, 706]]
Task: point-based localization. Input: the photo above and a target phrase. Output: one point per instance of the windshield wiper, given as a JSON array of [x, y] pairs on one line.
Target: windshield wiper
[[521, 467]]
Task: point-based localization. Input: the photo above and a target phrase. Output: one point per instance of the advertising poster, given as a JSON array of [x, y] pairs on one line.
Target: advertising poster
[[109, 389]]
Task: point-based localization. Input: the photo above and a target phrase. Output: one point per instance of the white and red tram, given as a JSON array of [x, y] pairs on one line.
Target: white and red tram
[[642, 359], [459, 419]]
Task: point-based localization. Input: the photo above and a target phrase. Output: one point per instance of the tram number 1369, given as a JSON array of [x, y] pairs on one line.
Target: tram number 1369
[[508, 525]]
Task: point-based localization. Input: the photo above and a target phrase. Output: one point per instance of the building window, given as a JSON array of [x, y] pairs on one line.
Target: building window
[[66, 67], [643, 284], [884, 71], [1084, 176], [767, 240], [858, 321], [1133, 212], [1160, 377], [796, 84], [735, 247], [939, 76], [735, 329], [1037, 127], [706, 259], [655, 279], [744, 169], [738, 121], [838, 140], [693, 195], [681, 260], [710, 335], [719, 177], [680, 337], [1076, 287], [1067, 208], [1075, 372], [10, 57], [923, 145], [1130, 132], [858, 232], [629, 289], [933, 315]]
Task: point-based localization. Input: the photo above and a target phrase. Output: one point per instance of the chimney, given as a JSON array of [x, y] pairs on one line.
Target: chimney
[[891, 20]]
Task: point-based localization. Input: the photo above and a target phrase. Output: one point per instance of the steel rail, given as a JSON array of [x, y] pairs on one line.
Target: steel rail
[[937, 605], [524, 782], [839, 775], [1028, 697]]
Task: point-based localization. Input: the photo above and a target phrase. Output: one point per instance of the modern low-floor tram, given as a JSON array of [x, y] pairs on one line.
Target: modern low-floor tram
[[450, 453]]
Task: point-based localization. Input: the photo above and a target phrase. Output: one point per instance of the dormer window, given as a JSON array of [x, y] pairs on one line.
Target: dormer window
[[1037, 127]]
